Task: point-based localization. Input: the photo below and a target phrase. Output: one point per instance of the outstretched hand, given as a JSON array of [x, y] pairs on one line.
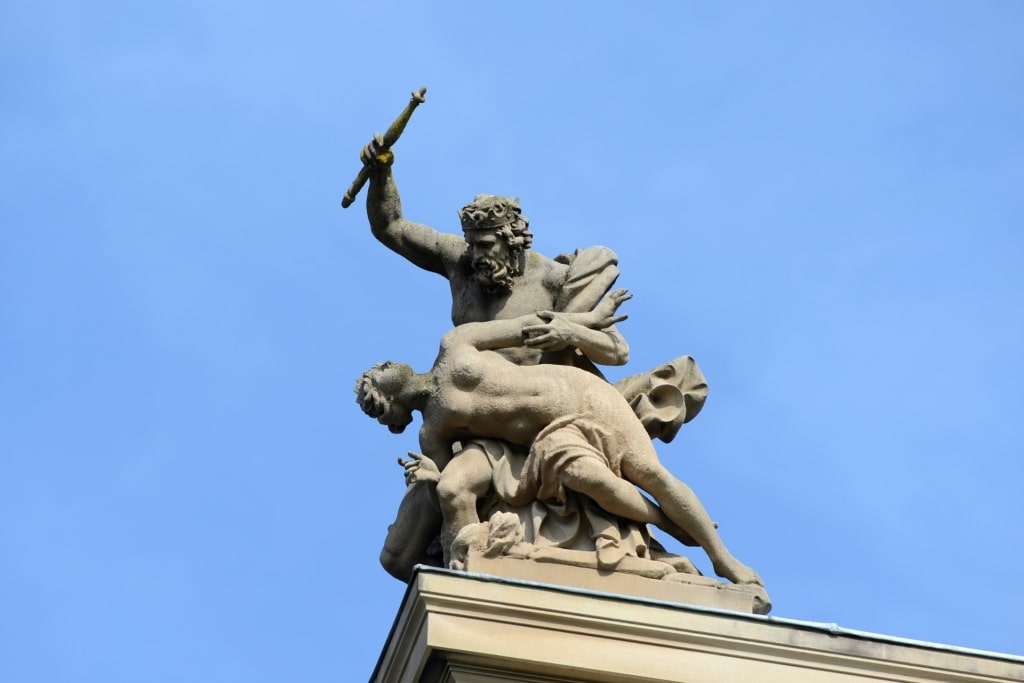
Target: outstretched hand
[[420, 469], [604, 312]]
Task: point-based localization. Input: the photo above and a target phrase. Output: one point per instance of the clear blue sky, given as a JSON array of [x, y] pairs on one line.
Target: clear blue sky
[[821, 202]]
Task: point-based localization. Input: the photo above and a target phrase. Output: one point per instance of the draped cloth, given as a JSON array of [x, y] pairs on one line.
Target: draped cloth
[[663, 399], [555, 516], [529, 483], [551, 515]]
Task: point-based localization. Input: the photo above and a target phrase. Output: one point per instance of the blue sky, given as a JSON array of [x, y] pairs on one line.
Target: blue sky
[[821, 202]]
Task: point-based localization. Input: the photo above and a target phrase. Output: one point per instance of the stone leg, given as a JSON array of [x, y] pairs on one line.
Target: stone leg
[[465, 480], [683, 508]]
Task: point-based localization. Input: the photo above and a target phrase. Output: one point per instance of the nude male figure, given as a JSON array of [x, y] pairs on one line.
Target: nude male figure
[[493, 273], [582, 433], [493, 276]]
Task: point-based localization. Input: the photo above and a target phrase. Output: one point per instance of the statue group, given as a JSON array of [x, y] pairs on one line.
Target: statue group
[[526, 449]]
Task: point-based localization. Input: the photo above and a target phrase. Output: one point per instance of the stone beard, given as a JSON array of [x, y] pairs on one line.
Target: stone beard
[[496, 276], [497, 236]]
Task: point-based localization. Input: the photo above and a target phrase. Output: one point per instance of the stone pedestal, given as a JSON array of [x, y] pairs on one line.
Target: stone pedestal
[[456, 627], [689, 589]]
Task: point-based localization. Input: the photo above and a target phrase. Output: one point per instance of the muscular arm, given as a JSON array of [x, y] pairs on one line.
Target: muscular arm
[[581, 287], [488, 336], [604, 347], [592, 332], [610, 349], [422, 245], [501, 334]]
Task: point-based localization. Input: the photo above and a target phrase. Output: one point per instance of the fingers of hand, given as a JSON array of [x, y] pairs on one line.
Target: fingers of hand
[[546, 343], [541, 342], [367, 154], [376, 154], [538, 334]]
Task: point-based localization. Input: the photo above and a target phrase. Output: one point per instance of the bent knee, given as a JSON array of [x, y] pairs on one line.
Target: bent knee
[[452, 493], [463, 486]]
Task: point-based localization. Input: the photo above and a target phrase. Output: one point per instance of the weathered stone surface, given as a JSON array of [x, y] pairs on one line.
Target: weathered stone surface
[[463, 628], [634, 576], [517, 419], [581, 433]]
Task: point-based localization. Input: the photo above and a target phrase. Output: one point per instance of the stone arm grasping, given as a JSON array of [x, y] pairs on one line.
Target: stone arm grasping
[[500, 334], [425, 247]]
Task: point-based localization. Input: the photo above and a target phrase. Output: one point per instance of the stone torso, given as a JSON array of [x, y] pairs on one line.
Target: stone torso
[[537, 288], [482, 394]]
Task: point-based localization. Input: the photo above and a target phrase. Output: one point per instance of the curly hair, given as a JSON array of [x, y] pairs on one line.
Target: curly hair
[[370, 398], [501, 214], [377, 403]]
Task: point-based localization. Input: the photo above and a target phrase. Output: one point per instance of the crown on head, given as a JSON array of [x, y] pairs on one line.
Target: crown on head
[[488, 212]]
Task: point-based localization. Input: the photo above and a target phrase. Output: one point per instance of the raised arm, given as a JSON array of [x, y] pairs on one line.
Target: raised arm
[[427, 248]]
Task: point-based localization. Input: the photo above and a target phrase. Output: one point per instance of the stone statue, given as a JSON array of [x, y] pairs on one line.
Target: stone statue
[[581, 433], [555, 447], [494, 274]]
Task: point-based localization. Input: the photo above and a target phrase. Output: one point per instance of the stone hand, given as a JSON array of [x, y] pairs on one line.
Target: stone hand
[[604, 313], [376, 155], [554, 334], [420, 469]]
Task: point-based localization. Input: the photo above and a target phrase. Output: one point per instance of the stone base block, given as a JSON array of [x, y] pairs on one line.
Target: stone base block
[[456, 627], [690, 589]]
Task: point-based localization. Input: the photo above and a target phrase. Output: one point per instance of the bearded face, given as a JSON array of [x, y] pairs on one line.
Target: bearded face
[[493, 275], [492, 260]]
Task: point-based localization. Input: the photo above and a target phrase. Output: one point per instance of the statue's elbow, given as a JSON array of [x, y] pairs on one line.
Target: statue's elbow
[[380, 228], [620, 354], [390, 231]]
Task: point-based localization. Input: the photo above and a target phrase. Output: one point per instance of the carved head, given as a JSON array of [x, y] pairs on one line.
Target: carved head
[[376, 390], [497, 235]]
